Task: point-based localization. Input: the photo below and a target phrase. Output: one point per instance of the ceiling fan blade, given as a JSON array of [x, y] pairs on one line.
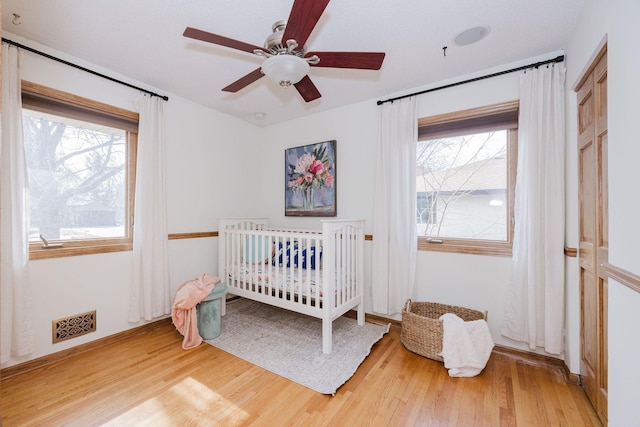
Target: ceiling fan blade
[[307, 89], [205, 36], [245, 81], [303, 18], [357, 60]]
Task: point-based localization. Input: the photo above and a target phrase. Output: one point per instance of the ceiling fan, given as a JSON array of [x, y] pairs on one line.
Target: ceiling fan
[[286, 60]]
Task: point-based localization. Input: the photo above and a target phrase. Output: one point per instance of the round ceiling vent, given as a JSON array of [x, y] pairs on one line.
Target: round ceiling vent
[[472, 35]]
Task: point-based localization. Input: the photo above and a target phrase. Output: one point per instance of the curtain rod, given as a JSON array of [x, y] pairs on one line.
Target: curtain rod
[[475, 79], [95, 73]]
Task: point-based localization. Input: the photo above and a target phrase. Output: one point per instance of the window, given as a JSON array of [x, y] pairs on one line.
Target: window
[[466, 179], [81, 171]]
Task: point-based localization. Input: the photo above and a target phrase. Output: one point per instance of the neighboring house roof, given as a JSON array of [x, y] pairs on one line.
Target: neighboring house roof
[[483, 175]]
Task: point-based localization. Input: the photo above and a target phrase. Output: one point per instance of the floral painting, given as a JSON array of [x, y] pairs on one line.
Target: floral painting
[[310, 180]]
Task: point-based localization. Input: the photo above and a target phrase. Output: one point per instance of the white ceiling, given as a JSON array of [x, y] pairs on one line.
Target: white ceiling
[[143, 39]]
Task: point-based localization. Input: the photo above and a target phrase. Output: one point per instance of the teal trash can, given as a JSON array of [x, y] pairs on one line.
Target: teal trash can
[[209, 310]]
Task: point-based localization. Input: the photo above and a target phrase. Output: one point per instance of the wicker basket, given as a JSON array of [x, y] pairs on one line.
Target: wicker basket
[[422, 330]]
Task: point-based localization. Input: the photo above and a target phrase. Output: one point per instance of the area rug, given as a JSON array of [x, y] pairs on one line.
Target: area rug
[[290, 344]]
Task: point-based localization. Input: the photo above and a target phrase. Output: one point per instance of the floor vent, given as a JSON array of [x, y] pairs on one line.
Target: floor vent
[[73, 326]]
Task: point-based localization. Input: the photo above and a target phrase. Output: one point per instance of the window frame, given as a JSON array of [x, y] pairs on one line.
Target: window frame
[[478, 246], [88, 106]]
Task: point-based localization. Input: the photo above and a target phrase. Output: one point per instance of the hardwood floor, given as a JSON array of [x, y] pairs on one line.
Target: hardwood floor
[[148, 380]]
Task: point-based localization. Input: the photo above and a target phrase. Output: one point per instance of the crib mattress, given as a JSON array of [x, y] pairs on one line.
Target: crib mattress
[[296, 280]]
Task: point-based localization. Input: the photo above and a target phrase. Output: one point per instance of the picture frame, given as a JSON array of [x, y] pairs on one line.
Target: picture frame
[[310, 180]]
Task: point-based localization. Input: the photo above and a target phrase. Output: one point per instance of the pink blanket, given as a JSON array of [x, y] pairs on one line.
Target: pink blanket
[[183, 314]]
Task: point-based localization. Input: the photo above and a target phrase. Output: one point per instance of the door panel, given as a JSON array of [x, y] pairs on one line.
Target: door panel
[[588, 288], [593, 234], [602, 233]]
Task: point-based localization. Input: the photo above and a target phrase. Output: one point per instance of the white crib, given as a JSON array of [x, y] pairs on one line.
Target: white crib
[[318, 273]]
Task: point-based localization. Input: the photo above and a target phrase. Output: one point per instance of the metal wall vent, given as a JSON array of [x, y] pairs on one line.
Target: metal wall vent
[[73, 326]]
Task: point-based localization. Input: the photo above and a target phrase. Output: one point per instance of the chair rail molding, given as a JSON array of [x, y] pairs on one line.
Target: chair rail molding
[[623, 276]]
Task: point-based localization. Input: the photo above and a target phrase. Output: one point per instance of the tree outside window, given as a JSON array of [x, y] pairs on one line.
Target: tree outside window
[[77, 178], [465, 170], [80, 157], [461, 185]]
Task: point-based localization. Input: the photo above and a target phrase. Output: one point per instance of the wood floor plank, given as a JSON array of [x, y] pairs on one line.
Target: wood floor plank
[[148, 380]]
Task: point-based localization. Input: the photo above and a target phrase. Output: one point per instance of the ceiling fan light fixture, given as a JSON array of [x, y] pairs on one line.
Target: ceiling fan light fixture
[[285, 69]]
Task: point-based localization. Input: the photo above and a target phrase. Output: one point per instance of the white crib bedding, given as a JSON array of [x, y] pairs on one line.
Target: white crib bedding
[[296, 280]]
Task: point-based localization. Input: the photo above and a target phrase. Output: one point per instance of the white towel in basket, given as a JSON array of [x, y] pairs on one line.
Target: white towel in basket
[[466, 346]]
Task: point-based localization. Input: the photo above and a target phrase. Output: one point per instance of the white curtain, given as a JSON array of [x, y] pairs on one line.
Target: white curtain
[[394, 216], [534, 313], [150, 293], [15, 303]]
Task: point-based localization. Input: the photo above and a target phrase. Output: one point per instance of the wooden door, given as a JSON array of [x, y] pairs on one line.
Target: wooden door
[[593, 233]]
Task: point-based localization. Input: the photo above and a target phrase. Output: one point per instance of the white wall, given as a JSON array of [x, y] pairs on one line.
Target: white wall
[[624, 205], [207, 159], [624, 174], [355, 130], [209, 156]]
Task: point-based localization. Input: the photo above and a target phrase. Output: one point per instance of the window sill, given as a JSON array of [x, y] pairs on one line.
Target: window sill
[[503, 249], [36, 252]]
